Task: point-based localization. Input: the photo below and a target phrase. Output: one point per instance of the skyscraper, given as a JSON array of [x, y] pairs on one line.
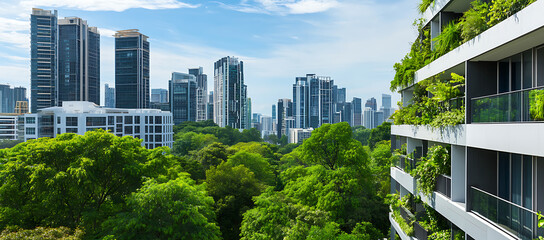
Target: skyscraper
[[347, 113], [131, 69], [321, 100], [78, 61], [371, 103], [159, 95], [109, 97], [386, 105], [43, 59], [201, 93], [301, 102], [6, 99], [368, 118], [210, 106], [183, 97], [357, 112], [230, 93], [285, 111]]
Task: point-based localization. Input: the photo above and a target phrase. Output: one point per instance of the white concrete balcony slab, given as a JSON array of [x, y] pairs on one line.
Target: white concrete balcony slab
[[521, 138], [397, 228], [455, 135]]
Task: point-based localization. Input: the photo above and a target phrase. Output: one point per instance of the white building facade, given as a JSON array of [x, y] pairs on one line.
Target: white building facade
[[153, 126]]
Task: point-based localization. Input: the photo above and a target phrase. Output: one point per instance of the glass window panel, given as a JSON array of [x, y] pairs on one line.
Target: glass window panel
[[540, 66], [504, 175], [527, 69], [527, 181], [516, 72], [516, 179], [504, 78]]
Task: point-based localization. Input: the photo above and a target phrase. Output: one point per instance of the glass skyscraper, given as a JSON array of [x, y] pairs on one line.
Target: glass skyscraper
[[301, 102], [230, 93], [78, 61], [109, 99], [159, 95], [131, 69], [182, 89], [43, 59]]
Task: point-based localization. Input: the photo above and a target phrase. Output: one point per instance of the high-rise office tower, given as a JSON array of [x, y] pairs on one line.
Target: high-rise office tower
[[341, 95], [131, 69], [347, 113], [201, 93], [285, 111], [386, 105], [6, 99], [378, 118], [321, 100], [357, 112], [247, 119], [368, 118], [210, 106], [371, 103], [274, 119], [43, 59], [109, 97], [301, 102], [183, 97], [230, 93], [78, 61], [159, 95]]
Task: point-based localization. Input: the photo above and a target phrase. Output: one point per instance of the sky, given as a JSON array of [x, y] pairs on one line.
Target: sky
[[356, 42]]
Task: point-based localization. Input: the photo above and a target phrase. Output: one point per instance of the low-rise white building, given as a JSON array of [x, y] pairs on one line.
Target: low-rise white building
[[298, 135], [8, 126], [154, 127]]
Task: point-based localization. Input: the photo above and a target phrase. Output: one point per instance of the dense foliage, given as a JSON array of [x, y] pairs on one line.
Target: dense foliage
[[436, 162]]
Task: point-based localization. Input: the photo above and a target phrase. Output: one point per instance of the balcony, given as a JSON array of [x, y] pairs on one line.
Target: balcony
[[405, 163], [518, 106], [515, 219], [443, 185]]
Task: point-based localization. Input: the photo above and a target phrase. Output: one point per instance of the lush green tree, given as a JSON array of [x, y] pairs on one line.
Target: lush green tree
[[256, 163], [332, 146], [361, 134], [251, 135], [191, 141], [380, 164], [232, 188], [262, 148], [176, 209], [272, 139], [189, 126], [60, 233], [380, 133], [211, 155], [75, 180]]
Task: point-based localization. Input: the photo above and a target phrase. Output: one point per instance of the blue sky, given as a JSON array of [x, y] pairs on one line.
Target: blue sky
[[356, 42]]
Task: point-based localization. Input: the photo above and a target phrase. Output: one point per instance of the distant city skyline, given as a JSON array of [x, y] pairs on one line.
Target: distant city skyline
[[277, 42]]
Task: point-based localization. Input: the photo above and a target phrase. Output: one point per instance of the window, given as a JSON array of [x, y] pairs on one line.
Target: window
[[158, 129], [540, 66], [158, 138], [119, 128], [146, 119], [111, 129], [128, 119], [151, 120], [137, 120], [71, 130], [146, 130], [58, 120], [136, 129], [96, 121], [158, 120], [30, 120], [128, 129], [111, 120], [119, 119], [31, 131], [71, 121], [58, 130]]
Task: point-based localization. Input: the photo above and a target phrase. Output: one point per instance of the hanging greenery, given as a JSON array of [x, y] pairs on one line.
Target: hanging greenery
[[474, 21], [449, 39], [422, 7], [435, 163], [536, 102]]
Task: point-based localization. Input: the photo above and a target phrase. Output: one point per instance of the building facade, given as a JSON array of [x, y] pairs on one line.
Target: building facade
[[9, 127], [301, 102], [159, 95], [321, 100], [285, 113], [154, 127], [357, 112], [183, 99], [230, 93], [298, 135], [131, 69], [201, 93], [209, 105], [78, 61], [43, 59], [109, 98], [494, 184]]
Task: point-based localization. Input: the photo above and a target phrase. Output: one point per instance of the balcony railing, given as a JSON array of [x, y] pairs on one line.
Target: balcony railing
[[405, 163], [443, 185], [518, 220], [518, 106]]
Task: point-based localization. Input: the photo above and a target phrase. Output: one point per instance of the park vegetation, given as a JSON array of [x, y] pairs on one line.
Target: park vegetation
[[215, 183]]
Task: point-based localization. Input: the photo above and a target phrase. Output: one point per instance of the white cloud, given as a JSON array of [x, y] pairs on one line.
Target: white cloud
[[104, 32], [282, 7], [107, 5], [14, 32]]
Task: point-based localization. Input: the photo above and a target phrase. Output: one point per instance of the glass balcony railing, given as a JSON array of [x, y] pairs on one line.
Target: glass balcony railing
[[405, 163], [519, 221], [443, 185], [519, 106]]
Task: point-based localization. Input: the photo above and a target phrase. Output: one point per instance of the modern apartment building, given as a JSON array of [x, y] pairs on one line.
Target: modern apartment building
[[209, 114], [109, 98], [154, 127], [78, 61], [230, 93], [496, 181], [301, 102], [183, 97], [285, 113], [43, 59], [201, 93], [131, 69], [298, 135], [9, 126], [321, 100]]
